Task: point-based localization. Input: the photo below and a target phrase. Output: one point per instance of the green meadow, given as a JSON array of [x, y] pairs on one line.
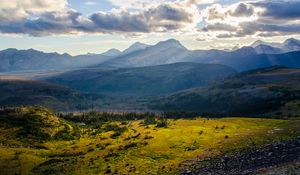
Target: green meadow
[[49, 144]]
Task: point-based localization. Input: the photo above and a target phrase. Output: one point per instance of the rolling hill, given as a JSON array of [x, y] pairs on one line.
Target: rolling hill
[[32, 124], [271, 92], [144, 81], [15, 92]]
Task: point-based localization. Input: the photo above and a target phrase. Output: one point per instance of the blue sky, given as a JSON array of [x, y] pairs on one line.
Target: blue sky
[[89, 6], [82, 26]]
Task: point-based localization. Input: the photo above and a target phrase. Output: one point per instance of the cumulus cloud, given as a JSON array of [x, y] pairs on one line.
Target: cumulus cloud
[[219, 27], [11, 10], [262, 18], [59, 19], [123, 21], [165, 17], [235, 12], [45, 24], [242, 10], [135, 17]]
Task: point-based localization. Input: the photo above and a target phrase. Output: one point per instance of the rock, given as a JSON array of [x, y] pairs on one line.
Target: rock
[[270, 154], [248, 162], [186, 172]]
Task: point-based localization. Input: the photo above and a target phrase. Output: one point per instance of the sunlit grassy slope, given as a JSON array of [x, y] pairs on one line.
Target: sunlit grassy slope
[[139, 149]]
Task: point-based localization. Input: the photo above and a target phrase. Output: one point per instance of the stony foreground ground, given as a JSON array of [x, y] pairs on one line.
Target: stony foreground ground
[[281, 157]]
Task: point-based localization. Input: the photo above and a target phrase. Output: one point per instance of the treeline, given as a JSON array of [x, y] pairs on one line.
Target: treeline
[[93, 117]]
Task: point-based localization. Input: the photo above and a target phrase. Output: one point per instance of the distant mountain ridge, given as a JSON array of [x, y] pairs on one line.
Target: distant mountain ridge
[[288, 45], [172, 51], [141, 55], [20, 60]]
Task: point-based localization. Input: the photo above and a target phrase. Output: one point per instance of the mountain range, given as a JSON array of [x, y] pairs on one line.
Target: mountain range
[[259, 79], [24, 60], [164, 52], [32, 60], [242, 59]]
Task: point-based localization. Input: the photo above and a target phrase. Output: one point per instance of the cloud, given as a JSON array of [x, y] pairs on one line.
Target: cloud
[[219, 27], [166, 17], [263, 18], [280, 9], [11, 10], [135, 4], [242, 10], [123, 21], [137, 17], [218, 12], [45, 24]]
